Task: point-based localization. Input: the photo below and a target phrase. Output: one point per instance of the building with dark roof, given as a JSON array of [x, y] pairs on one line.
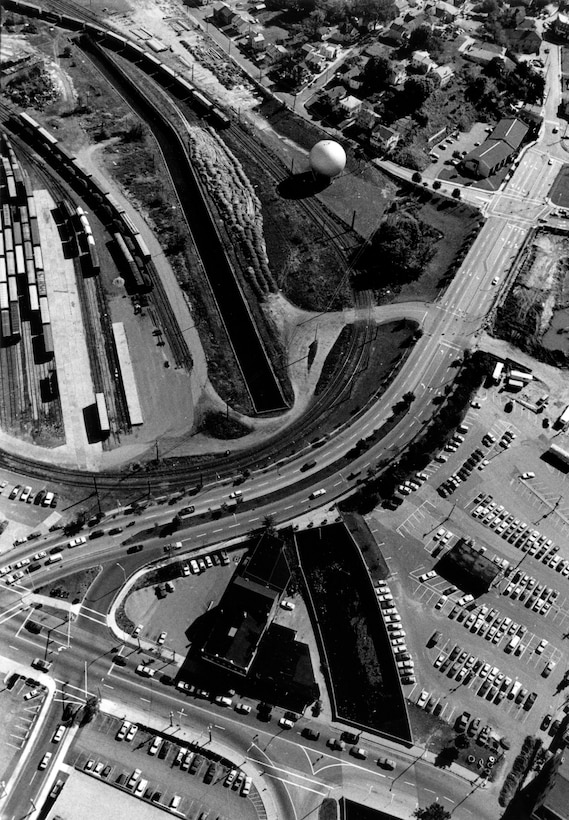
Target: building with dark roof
[[498, 150], [553, 800], [466, 567], [247, 606]]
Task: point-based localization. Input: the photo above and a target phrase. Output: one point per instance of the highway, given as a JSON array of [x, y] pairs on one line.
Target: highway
[[300, 774]]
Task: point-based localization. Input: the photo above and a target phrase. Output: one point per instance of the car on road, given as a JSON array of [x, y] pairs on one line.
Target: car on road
[[145, 671], [359, 752], [310, 734], [243, 708], [77, 542], [45, 760], [59, 732], [285, 723], [386, 763], [336, 743], [317, 493]]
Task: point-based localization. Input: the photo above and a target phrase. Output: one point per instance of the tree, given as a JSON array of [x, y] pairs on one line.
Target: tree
[[377, 74], [416, 177], [433, 812], [416, 90]]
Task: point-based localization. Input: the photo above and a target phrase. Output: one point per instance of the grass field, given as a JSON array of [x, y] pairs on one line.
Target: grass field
[[560, 192]]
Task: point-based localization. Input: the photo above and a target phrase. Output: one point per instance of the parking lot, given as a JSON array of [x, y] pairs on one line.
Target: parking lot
[[506, 644], [176, 611], [20, 700], [154, 772]]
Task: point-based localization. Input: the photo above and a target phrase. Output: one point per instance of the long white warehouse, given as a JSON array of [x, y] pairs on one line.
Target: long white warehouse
[[127, 374]]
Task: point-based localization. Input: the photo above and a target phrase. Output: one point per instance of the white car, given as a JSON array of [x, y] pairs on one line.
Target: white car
[[154, 746], [236, 494], [427, 576], [132, 730], [287, 605], [422, 699], [527, 475], [185, 570], [39, 555], [161, 638], [77, 542], [59, 732], [45, 760], [541, 646], [466, 599]]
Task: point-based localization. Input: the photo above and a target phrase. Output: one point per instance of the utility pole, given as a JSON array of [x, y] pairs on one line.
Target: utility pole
[[97, 494], [86, 693]]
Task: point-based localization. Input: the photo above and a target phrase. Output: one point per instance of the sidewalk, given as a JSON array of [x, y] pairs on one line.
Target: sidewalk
[[9, 667]]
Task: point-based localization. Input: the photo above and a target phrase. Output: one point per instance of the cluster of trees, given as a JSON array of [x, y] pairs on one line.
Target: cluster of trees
[[520, 768], [330, 12], [400, 249], [474, 369], [493, 89]]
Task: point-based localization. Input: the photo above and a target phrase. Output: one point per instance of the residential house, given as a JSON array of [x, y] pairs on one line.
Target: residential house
[[367, 118], [222, 14], [346, 34], [334, 95], [497, 150], [560, 26], [422, 59], [350, 105], [275, 52], [399, 69], [444, 73], [353, 78], [484, 53], [397, 32], [315, 62], [257, 41], [524, 39], [329, 50], [446, 12], [383, 139]]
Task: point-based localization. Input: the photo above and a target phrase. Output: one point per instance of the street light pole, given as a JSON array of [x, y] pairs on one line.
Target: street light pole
[[123, 570]]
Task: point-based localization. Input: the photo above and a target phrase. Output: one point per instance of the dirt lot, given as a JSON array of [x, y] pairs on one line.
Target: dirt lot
[[541, 287]]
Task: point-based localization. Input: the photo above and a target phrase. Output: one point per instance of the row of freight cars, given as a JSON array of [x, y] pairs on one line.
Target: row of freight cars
[[22, 277], [130, 245], [147, 61]]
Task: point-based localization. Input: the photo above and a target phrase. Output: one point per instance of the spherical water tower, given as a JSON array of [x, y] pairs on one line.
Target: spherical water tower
[[327, 159]]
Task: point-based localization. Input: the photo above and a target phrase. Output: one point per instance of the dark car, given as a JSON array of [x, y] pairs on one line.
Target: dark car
[[164, 749], [308, 466], [545, 723], [195, 764], [310, 734], [210, 773], [350, 737], [118, 660], [116, 531], [530, 700], [96, 534], [135, 548], [554, 728]]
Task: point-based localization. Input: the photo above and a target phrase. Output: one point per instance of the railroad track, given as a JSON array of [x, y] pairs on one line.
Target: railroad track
[[179, 474]]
